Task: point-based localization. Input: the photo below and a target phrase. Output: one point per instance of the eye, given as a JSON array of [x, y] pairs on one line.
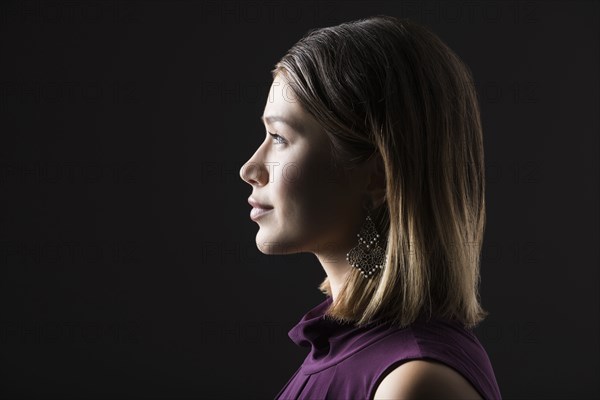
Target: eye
[[279, 139]]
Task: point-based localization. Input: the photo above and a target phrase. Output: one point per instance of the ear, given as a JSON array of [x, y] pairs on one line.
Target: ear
[[376, 186]]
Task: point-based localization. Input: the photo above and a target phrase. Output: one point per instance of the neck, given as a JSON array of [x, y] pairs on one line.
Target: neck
[[337, 268]]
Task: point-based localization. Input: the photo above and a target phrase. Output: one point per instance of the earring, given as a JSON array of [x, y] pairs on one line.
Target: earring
[[368, 256]]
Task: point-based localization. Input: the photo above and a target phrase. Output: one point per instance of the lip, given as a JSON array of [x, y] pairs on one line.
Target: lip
[[256, 204], [258, 209], [256, 212]]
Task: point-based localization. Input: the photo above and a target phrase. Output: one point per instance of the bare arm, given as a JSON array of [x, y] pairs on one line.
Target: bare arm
[[424, 379]]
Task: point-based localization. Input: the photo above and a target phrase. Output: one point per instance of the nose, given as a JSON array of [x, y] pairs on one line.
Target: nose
[[254, 173]]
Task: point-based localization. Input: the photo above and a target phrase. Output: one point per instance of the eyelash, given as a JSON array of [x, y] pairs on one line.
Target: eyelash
[[275, 136]]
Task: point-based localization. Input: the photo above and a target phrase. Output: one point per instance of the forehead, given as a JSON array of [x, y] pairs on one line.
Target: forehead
[[282, 104], [281, 100]]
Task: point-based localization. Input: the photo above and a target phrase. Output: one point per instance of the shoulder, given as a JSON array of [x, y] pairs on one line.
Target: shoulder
[[424, 379]]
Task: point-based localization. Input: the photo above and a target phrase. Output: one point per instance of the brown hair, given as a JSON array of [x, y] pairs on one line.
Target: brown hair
[[388, 86]]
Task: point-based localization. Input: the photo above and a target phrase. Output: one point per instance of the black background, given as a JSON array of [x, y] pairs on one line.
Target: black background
[[128, 264]]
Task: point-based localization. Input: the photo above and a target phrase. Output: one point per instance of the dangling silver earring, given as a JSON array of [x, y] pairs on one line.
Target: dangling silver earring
[[368, 256]]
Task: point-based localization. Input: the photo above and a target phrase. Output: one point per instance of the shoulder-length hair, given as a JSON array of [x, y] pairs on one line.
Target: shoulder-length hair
[[390, 87]]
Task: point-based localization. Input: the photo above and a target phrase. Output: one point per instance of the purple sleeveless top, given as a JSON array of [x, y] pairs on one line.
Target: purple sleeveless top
[[346, 362]]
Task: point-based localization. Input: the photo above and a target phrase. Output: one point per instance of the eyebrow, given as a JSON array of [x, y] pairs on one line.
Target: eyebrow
[[276, 118]]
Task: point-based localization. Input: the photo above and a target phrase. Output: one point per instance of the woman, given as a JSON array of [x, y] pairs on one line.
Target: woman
[[373, 161]]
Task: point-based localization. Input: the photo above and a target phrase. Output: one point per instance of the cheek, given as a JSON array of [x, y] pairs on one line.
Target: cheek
[[312, 193]]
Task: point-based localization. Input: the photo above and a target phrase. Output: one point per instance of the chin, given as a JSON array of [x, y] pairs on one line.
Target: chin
[[272, 246]]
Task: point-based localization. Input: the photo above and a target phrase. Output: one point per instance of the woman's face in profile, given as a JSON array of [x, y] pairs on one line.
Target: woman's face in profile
[[313, 207]]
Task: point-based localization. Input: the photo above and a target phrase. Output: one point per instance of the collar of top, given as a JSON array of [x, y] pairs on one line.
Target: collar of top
[[330, 341]]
